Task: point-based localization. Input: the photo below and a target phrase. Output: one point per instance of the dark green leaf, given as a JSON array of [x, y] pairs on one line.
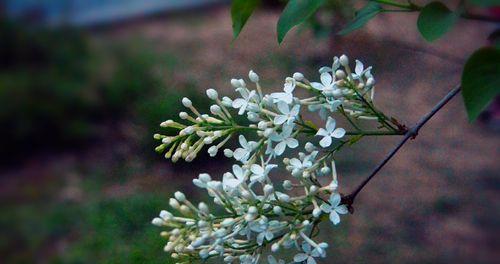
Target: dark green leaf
[[240, 12], [435, 20], [296, 12], [481, 80], [362, 17], [485, 3]]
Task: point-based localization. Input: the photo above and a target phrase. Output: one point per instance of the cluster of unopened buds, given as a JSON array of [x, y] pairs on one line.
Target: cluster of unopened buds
[[258, 211]]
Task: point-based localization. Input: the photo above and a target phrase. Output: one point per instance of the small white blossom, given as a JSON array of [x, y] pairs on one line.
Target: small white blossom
[[260, 173], [329, 133], [334, 208], [287, 96], [287, 115], [242, 103], [285, 139], [243, 153], [233, 180]]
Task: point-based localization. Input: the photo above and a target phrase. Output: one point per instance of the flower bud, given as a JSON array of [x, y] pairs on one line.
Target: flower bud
[[298, 76], [180, 196], [183, 115], [185, 210], [309, 147], [370, 82], [228, 222], [283, 197], [215, 109], [208, 140], [277, 210], [268, 132], [227, 102], [268, 189], [275, 247], [316, 212], [166, 123], [166, 215], [174, 203], [253, 76], [252, 210], [212, 94], [212, 151], [203, 207], [157, 221], [262, 125], [344, 60], [205, 177], [340, 74], [186, 102], [287, 185], [228, 153], [235, 83]]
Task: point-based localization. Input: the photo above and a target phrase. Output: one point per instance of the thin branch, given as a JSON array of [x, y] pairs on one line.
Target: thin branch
[[411, 133]]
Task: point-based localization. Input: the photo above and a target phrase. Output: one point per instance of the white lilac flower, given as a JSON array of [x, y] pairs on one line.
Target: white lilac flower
[[298, 166], [242, 103], [287, 115], [329, 133], [260, 173], [266, 230], [326, 82], [287, 96], [242, 154], [334, 208], [307, 255], [231, 181], [285, 139], [324, 110], [359, 71]]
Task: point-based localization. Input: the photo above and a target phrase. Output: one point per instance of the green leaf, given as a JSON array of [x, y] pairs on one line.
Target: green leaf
[[362, 17], [241, 10], [485, 3], [435, 20], [296, 12], [481, 80]]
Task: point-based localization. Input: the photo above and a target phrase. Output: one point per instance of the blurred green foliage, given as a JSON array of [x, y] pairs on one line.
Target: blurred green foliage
[[59, 89], [102, 230]]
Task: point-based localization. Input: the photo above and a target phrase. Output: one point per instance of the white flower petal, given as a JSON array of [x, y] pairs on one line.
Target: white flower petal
[[292, 142], [335, 199], [280, 148], [237, 103], [338, 133], [311, 260], [300, 257], [256, 169], [341, 209], [359, 67], [322, 132], [283, 107], [317, 86], [326, 79], [278, 120], [324, 69], [330, 124], [334, 217], [326, 208], [325, 142]]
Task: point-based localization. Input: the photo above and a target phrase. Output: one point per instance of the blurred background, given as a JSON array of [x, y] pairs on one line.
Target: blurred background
[[85, 84]]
